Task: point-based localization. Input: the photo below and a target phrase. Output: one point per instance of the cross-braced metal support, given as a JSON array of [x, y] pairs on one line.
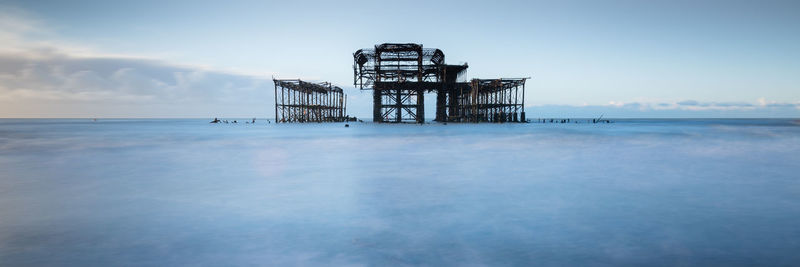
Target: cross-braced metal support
[[300, 101], [395, 73], [490, 100]]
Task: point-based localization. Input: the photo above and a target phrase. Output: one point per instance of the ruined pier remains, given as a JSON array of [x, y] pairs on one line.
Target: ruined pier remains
[[300, 101], [489, 100], [399, 75]]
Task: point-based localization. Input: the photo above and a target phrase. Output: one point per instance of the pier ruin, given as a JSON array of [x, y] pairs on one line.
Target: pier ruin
[[399, 75], [300, 101]]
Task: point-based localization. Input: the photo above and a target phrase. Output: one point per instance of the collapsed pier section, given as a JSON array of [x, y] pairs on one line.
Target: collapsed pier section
[[301, 101], [488, 100]]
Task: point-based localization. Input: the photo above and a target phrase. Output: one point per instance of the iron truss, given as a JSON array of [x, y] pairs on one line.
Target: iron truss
[[300, 101]]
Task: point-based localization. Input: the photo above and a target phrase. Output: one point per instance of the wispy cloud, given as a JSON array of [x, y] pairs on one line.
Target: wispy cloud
[[43, 76], [684, 108]]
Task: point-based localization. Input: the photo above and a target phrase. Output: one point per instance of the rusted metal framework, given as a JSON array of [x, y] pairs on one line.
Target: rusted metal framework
[[401, 74], [489, 100], [300, 101]]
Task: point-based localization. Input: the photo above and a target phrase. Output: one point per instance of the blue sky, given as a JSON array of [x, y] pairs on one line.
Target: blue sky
[[215, 59]]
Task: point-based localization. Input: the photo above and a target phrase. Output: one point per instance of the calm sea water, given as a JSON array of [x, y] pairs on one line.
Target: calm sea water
[[186, 192]]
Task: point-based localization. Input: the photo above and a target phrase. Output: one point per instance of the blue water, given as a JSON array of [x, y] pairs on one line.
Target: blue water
[[186, 192]]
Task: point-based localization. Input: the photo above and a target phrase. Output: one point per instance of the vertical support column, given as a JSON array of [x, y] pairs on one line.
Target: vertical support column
[[377, 94], [310, 106], [455, 106], [399, 106], [494, 100], [315, 106], [292, 101], [343, 110], [295, 101], [503, 113], [516, 103], [329, 105], [306, 99], [420, 91], [377, 105], [441, 105], [472, 99], [420, 106], [522, 116], [334, 111], [337, 101], [276, 100]]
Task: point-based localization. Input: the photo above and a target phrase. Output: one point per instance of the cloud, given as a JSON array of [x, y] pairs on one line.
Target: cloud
[[57, 76], [734, 104], [686, 108], [39, 78]]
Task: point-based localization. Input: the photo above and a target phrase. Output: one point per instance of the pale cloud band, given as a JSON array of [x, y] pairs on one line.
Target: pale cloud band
[[760, 108], [40, 84], [697, 105], [46, 79]]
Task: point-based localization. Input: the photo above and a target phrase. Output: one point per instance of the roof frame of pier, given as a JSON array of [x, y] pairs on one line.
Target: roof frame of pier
[[307, 87]]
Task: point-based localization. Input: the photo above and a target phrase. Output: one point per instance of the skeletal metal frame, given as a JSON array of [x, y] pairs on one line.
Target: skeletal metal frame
[[395, 72], [300, 101], [489, 100], [401, 74]]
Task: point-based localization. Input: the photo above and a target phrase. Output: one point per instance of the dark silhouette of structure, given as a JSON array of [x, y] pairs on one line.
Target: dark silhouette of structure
[[300, 101], [399, 75]]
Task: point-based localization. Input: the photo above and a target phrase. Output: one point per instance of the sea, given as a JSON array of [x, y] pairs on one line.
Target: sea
[[185, 192]]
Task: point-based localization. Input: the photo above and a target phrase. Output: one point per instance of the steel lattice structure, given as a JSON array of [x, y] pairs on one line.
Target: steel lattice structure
[[401, 74], [300, 101], [490, 100], [396, 73]]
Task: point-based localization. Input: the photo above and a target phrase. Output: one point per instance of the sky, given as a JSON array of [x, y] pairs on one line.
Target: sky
[[205, 59]]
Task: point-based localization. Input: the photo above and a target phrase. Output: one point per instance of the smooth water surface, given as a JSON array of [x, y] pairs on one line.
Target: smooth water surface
[[186, 192]]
